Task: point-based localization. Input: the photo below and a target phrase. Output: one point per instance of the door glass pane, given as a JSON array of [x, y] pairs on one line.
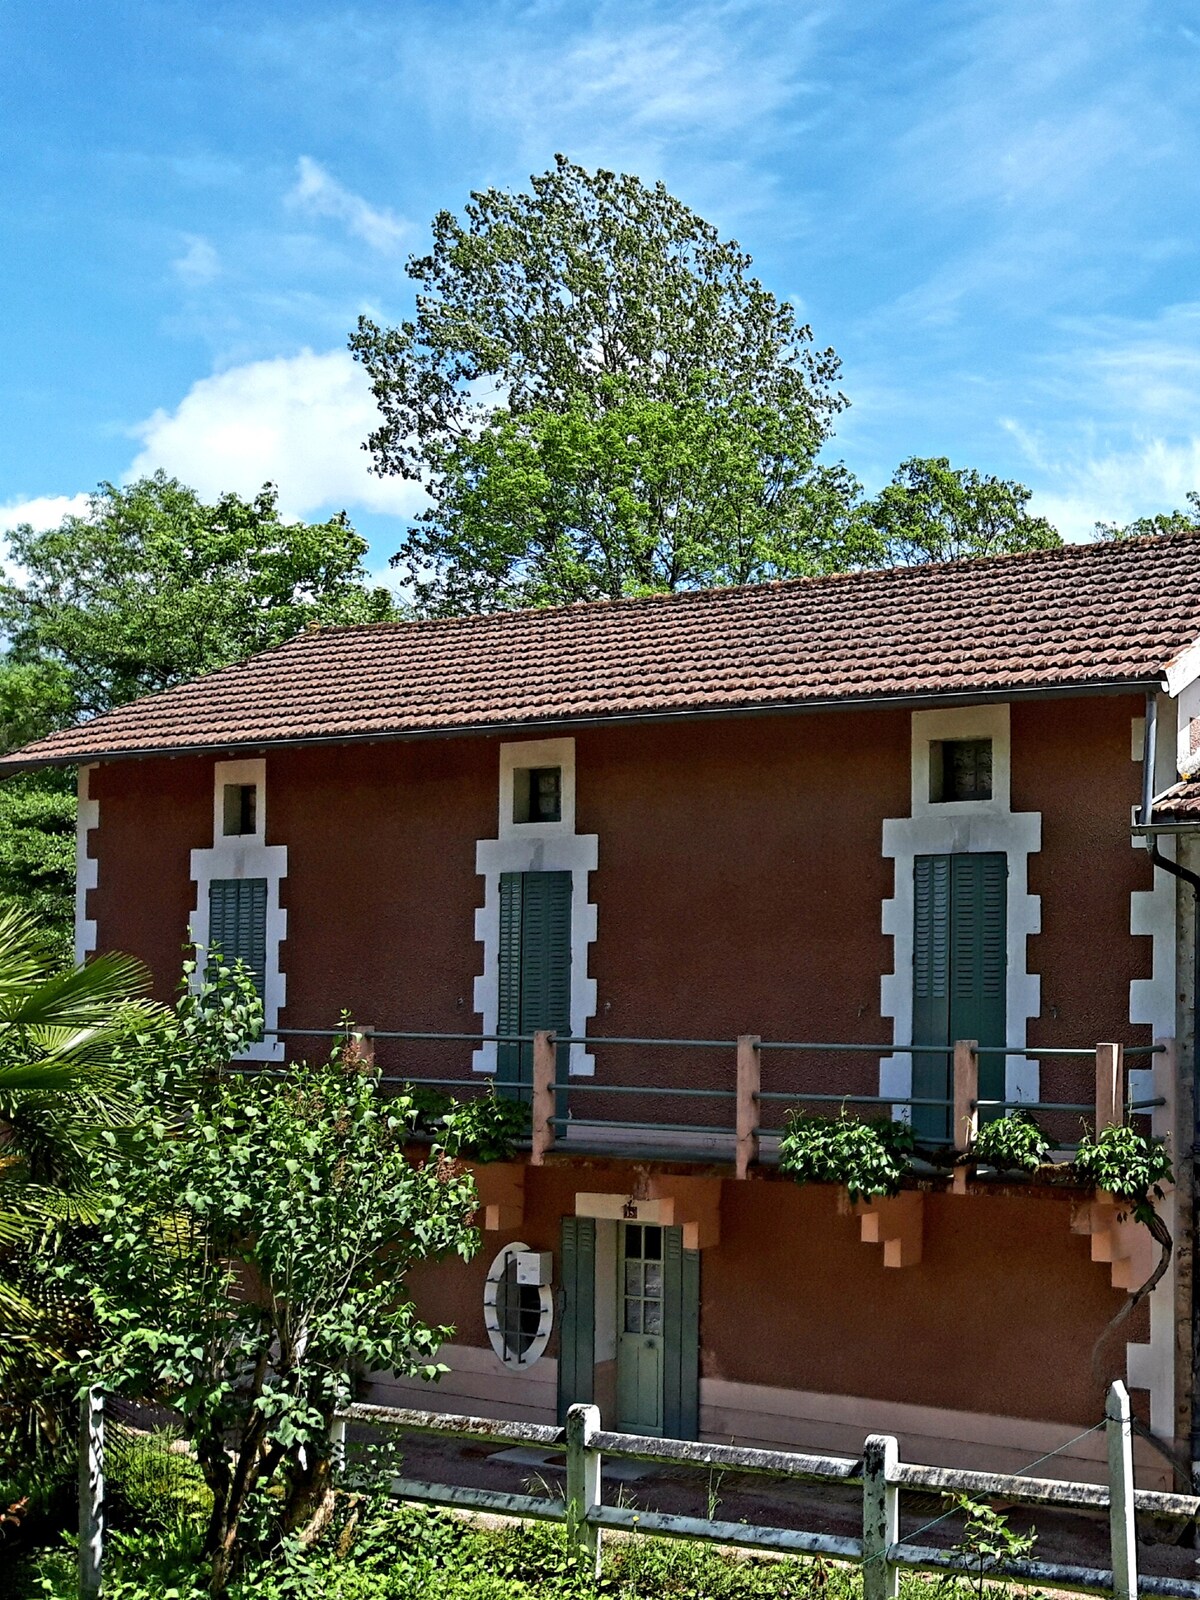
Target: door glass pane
[[652, 1245], [653, 1287], [653, 1316], [633, 1277], [633, 1316]]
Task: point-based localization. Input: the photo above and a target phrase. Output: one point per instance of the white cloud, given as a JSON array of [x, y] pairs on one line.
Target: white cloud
[[319, 194], [1154, 476], [297, 421], [199, 264], [43, 511]]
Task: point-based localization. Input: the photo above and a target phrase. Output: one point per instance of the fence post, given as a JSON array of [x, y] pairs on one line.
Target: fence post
[[542, 1106], [1110, 1086], [881, 1517], [583, 1484], [91, 1494], [966, 1111], [749, 1114], [1122, 1529]]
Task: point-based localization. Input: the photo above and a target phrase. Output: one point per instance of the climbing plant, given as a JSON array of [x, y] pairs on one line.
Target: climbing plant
[[1014, 1143], [868, 1158]]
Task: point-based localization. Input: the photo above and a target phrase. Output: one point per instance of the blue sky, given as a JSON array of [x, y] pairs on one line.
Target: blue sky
[[990, 208]]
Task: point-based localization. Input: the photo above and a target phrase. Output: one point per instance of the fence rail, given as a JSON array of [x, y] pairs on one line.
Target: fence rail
[[880, 1551], [551, 1093]]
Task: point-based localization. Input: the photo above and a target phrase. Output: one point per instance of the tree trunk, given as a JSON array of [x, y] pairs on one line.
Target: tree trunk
[[309, 1503]]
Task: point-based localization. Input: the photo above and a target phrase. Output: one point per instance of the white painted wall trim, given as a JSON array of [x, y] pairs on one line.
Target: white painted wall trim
[[948, 827], [537, 847], [87, 868], [1153, 913], [245, 856]]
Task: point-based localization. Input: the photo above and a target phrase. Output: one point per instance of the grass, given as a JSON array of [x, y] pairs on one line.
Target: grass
[[386, 1552]]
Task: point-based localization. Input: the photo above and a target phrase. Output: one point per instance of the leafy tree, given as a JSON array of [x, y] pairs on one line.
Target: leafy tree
[[253, 1260], [932, 511], [1163, 522], [152, 586], [602, 401], [63, 1083]]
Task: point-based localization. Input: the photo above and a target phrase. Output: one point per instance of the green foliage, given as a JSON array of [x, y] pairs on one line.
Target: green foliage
[[389, 1552], [251, 1259], [485, 1127], [933, 512], [62, 1090], [1163, 522], [868, 1158], [1128, 1165], [602, 401], [152, 586], [1013, 1143], [37, 855], [988, 1541]]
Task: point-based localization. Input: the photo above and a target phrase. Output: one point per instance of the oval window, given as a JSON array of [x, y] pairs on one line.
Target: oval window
[[518, 1316]]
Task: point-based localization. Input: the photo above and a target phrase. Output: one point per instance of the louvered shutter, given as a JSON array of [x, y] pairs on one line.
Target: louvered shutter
[[931, 990], [577, 1314], [681, 1337], [508, 1012], [237, 923], [979, 961], [546, 958]]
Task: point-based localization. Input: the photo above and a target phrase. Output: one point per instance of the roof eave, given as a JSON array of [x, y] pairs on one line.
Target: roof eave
[[11, 766]]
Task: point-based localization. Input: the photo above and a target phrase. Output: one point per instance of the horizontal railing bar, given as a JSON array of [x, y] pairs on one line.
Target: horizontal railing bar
[[605, 1038], [359, 1031], [640, 1127], [850, 1099], [494, 1500], [1043, 1574], [456, 1426], [480, 1081], [786, 1541], [1053, 1574], [1144, 1105], [1036, 1491], [573, 1086], [1037, 1105], [861, 1049], [740, 1458]]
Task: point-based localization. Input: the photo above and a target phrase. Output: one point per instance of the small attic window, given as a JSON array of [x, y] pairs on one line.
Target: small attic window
[[960, 769], [537, 794], [241, 809]]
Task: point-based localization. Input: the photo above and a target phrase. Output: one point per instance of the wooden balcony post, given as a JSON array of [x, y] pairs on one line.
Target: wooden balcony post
[[1110, 1086], [966, 1112], [545, 1058], [749, 1115]]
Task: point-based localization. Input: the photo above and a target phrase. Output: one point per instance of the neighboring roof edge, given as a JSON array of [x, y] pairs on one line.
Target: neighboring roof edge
[[12, 766]]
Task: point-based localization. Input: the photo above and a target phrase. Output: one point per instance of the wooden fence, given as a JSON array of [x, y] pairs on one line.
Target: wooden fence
[[880, 1551]]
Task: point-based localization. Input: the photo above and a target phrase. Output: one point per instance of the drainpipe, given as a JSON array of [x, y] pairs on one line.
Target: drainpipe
[[1185, 875]]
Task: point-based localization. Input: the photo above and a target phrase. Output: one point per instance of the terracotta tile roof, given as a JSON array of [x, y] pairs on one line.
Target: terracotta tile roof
[[1098, 614], [1181, 804]]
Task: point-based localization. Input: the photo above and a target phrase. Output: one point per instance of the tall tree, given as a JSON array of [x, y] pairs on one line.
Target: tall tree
[[932, 511], [1162, 522], [601, 400], [152, 586]]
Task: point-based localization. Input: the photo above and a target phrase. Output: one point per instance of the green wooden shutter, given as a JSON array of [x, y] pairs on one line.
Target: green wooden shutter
[[931, 990], [577, 1314], [508, 1011], [546, 960], [237, 923], [960, 968], [979, 961], [681, 1337]]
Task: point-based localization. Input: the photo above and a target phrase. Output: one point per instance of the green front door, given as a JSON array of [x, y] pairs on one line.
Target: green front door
[[960, 970], [641, 1329], [535, 966]]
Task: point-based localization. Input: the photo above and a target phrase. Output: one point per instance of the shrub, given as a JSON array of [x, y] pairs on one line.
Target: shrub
[[869, 1158], [1014, 1143]]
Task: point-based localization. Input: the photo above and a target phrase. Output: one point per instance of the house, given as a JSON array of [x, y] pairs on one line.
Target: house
[[724, 853]]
